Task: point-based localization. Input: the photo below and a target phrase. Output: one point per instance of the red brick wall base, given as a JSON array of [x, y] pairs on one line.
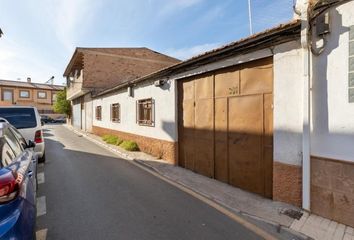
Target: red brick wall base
[[332, 189], [287, 183], [156, 147]]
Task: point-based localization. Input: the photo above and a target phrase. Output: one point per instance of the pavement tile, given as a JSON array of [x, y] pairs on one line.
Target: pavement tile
[[349, 230], [325, 224], [297, 224], [339, 233], [347, 236]]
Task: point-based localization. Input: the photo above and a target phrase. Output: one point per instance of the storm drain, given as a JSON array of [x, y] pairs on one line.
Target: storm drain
[[292, 213]]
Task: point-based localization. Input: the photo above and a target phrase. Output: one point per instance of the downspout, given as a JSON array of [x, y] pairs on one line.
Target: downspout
[[306, 129]]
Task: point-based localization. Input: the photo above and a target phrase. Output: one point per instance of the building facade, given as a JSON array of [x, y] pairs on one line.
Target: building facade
[[27, 93], [271, 114], [92, 70]]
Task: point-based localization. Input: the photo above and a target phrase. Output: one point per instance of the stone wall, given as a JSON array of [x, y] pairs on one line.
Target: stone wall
[[287, 183]]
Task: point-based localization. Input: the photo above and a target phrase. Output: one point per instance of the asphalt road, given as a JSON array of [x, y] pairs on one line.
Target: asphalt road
[[90, 194]]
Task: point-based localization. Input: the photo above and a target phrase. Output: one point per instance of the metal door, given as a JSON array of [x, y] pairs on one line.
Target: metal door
[[226, 125], [77, 115]]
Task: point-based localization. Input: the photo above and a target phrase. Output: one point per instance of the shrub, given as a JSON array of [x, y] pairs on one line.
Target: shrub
[[129, 145], [119, 141], [111, 139], [105, 137]]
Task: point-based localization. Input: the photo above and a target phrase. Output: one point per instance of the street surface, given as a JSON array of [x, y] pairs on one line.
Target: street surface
[[90, 194]]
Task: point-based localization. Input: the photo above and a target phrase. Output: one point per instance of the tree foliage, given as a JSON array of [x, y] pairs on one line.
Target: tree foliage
[[62, 105]]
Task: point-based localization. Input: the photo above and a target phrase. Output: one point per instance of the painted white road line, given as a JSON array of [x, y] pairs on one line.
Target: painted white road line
[[41, 206], [40, 177], [41, 234]]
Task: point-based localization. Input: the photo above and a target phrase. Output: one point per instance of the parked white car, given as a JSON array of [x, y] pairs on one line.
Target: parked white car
[[28, 122]]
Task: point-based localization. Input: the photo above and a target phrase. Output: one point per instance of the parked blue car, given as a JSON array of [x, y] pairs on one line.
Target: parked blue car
[[18, 186]]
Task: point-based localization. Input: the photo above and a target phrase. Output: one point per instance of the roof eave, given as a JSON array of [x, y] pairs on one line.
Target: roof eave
[[211, 55], [71, 62]]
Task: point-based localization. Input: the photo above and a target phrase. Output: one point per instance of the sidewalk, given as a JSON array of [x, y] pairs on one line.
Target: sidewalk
[[280, 215]]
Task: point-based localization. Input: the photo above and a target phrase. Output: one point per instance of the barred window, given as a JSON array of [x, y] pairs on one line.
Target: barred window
[[115, 112], [99, 113], [145, 112]]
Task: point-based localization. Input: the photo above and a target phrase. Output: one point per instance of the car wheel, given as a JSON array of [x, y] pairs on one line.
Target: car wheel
[[42, 159]]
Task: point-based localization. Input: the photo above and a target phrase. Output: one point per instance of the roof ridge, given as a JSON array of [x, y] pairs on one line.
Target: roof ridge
[[17, 81]]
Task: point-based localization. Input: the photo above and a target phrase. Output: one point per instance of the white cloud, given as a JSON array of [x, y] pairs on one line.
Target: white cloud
[[188, 52]]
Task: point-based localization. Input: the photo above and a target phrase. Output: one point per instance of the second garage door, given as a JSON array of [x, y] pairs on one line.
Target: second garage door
[[226, 125]]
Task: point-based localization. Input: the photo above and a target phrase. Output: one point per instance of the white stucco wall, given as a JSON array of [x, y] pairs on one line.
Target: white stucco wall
[[333, 115], [287, 102], [287, 110], [164, 97]]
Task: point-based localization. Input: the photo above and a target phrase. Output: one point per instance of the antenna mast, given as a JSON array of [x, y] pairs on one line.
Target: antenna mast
[[250, 16]]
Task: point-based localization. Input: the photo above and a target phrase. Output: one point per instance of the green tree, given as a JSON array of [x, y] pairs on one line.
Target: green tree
[[62, 105]]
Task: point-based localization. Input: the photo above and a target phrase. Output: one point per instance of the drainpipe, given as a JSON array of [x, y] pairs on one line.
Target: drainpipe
[[306, 129]]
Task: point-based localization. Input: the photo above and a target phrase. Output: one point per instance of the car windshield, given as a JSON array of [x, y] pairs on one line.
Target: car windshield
[[19, 117]]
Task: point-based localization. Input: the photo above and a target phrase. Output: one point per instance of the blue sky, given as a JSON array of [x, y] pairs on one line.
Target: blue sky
[[40, 35]]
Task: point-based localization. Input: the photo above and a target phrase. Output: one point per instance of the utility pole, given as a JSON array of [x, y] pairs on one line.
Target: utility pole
[[250, 16], [1, 33]]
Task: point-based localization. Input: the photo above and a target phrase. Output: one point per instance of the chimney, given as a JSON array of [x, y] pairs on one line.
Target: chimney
[[29, 80]]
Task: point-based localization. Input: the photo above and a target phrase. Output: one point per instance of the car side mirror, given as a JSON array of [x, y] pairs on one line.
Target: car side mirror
[[31, 144]]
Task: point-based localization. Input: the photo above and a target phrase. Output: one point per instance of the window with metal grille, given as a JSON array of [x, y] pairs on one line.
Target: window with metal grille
[[145, 112], [99, 113], [115, 112]]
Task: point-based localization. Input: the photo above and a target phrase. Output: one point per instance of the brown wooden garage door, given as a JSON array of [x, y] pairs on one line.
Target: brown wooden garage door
[[226, 125]]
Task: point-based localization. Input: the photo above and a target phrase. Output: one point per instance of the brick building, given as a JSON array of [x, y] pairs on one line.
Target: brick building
[[28, 93], [92, 70]]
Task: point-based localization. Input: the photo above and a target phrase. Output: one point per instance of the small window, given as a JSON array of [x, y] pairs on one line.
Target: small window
[[24, 94], [42, 95], [7, 95], [145, 112], [99, 113], [54, 97], [115, 112]]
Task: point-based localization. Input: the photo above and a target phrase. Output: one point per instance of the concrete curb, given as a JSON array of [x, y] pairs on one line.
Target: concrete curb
[[142, 163]]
